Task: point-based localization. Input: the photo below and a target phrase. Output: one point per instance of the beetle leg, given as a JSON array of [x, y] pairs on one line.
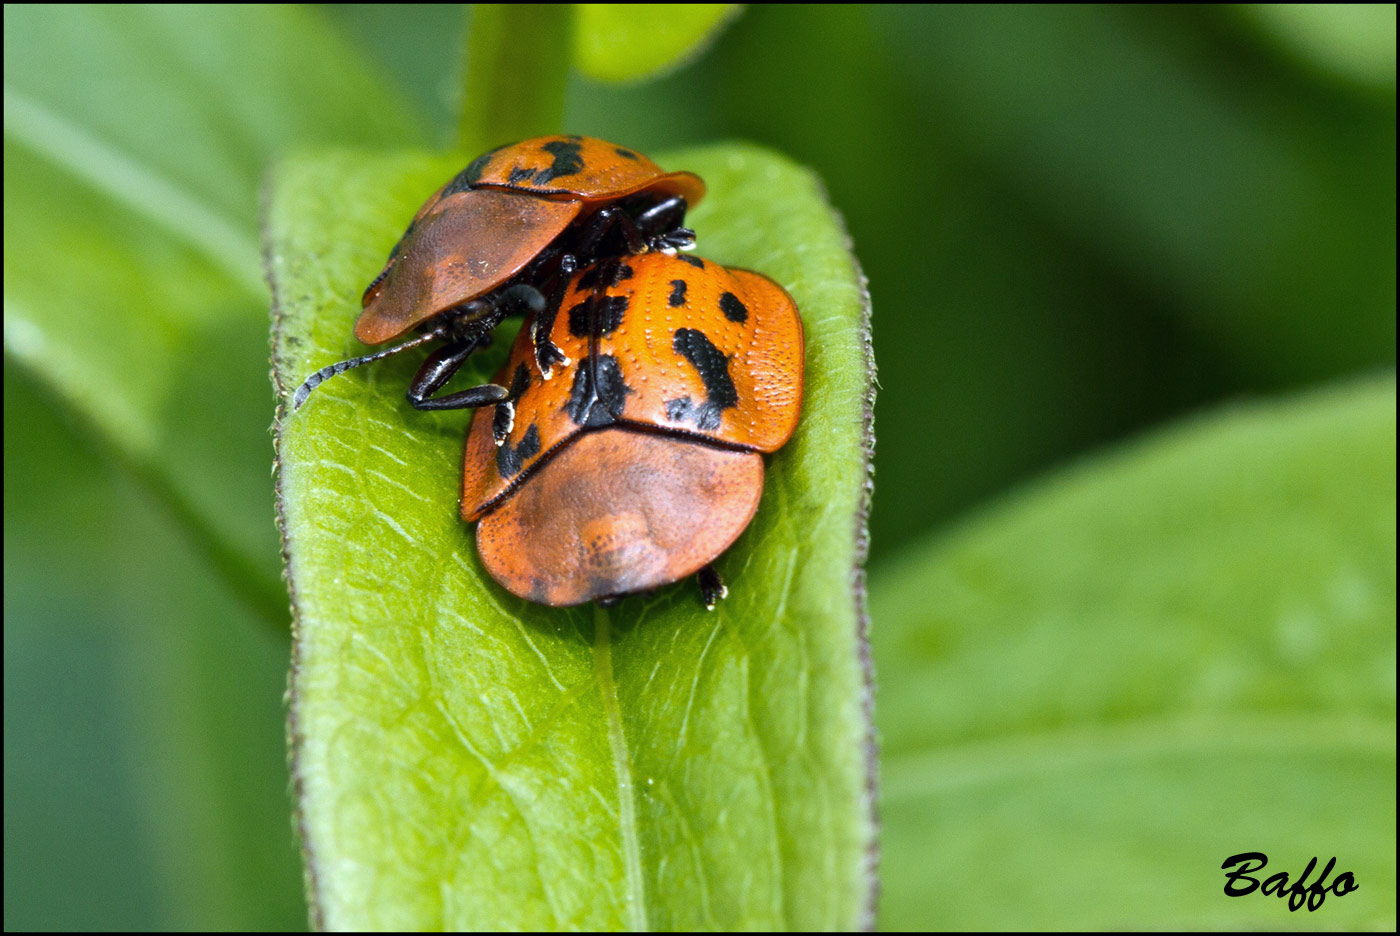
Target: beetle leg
[[602, 222], [673, 240], [438, 369], [547, 353], [663, 216], [594, 230], [636, 243], [660, 226], [712, 587], [472, 326], [503, 419]]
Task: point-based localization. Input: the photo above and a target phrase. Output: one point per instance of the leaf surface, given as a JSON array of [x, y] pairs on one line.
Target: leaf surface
[[1185, 650], [468, 760]]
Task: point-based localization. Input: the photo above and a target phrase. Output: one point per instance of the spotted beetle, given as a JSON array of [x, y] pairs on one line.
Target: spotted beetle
[[642, 463], [504, 236]]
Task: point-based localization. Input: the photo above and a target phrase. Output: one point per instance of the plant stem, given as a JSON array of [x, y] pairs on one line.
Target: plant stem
[[516, 70]]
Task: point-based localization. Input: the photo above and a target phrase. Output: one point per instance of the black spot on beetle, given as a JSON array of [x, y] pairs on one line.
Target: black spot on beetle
[[519, 174], [709, 362], [626, 153], [510, 460], [679, 409], [520, 382], [705, 416], [677, 293], [470, 175], [713, 367], [693, 261], [733, 309], [597, 317], [597, 399], [609, 317], [567, 161], [578, 319]]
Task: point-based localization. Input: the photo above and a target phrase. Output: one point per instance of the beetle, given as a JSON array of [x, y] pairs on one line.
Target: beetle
[[503, 236], [645, 461]]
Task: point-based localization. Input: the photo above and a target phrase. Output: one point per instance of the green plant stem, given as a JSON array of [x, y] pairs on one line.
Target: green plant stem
[[516, 70]]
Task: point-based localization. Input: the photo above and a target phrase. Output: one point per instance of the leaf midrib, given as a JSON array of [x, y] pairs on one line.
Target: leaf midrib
[[635, 895], [987, 762]]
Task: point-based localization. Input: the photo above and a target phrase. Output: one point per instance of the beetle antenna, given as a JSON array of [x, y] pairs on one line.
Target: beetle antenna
[[340, 367]]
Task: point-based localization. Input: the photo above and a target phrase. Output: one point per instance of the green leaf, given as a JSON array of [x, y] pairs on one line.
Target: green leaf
[[146, 767], [132, 288], [1237, 200], [1185, 650], [1353, 40], [634, 41], [468, 760]]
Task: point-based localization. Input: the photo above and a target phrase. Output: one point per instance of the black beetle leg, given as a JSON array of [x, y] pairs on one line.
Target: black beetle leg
[[712, 587], [547, 353], [660, 226], [603, 221], [438, 369], [503, 419]]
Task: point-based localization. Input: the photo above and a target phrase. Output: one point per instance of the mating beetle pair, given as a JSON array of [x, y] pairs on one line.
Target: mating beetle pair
[[622, 448]]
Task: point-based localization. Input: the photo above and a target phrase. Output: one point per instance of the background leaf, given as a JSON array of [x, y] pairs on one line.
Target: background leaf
[[145, 784], [469, 760], [1185, 177], [145, 759], [1094, 695], [132, 289], [633, 41], [1353, 40]]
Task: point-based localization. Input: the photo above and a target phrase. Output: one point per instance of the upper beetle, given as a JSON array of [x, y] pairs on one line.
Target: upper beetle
[[641, 464], [505, 235]]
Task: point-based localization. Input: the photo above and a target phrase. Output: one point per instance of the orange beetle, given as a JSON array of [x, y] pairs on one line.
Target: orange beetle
[[504, 235], [642, 464]]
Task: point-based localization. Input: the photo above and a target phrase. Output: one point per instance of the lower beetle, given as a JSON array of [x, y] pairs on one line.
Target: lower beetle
[[643, 462]]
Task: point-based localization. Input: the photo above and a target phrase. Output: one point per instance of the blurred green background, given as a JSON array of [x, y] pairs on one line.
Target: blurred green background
[[1077, 223]]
